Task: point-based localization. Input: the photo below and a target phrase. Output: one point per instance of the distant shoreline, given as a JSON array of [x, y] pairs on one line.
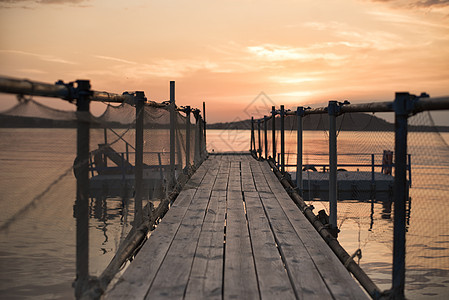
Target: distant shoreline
[[357, 122]]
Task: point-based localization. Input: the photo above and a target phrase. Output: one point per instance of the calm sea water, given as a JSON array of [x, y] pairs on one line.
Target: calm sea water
[[37, 188]]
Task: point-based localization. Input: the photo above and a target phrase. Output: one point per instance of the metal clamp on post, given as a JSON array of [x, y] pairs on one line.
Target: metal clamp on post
[[350, 259], [185, 109], [340, 104], [71, 91], [405, 103]]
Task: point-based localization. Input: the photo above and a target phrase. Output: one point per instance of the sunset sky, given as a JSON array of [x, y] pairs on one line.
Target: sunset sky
[[228, 52]]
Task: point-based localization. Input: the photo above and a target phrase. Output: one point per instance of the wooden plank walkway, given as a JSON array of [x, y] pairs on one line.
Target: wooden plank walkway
[[234, 233]]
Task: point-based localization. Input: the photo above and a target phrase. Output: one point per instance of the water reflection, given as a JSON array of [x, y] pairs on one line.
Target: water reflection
[[384, 214]]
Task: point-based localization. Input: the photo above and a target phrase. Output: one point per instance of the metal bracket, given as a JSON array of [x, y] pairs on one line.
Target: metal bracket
[[185, 109], [72, 92], [301, 110]]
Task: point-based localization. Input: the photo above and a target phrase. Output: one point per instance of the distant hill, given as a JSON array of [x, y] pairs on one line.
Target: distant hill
[[346, 122], [7, 121], [28, 122]]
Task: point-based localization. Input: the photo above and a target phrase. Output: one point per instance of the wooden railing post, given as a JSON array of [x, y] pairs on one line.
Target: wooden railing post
[[332, 111], [203, 145], [81, 169], [172, 134], [273, 130], [105, 133], [265, 119], [299, 144], [197, 154], [259, 150], [138, 169], [282, 140], [401, 108], [253, 142], [204, 129], [187, 136]]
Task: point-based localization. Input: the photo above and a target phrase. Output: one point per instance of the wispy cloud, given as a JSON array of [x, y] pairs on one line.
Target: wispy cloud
[[397, 18], [297, 78], [116, 59], [32, 71], [342, 34], [61, 1], [281, 53], [166, 68], [32, 4], [44, 57], [46, 1], [415, 3]]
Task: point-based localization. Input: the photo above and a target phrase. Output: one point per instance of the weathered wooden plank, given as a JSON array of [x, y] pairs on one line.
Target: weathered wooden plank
[[173, 274], [306, 279], [240, 280], [206, 278], [210, 177], [273, 279], [140, 274], [247, 177], [184, 255], [136, 280], [259, 179], [337, 278], [234, 183], [221, 183], [198, 176]]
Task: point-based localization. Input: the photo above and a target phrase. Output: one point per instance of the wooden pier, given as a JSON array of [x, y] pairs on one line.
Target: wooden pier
[[234, 233]]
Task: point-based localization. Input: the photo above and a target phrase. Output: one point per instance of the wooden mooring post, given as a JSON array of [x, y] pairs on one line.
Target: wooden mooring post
[[265, 125], [402, 109], [81, 169], [282, 140], [187, 111], [172, 134], [204, 122], [138, 169], [253, 142], [332, 111], [299, 145], [259, 149], [273, 130]]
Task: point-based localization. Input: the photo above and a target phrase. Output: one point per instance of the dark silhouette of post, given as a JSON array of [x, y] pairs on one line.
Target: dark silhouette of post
[[253, 141], [273, 130], [204, 129], [299, 146], [282, 140], [332, 111], [139, 99], [188, 136], [401, 108], [259, 150], [265, 119], [81, 169], [172, 134]]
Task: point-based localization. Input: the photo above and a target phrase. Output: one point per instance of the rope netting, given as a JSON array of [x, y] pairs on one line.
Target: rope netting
[[38, 188]]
